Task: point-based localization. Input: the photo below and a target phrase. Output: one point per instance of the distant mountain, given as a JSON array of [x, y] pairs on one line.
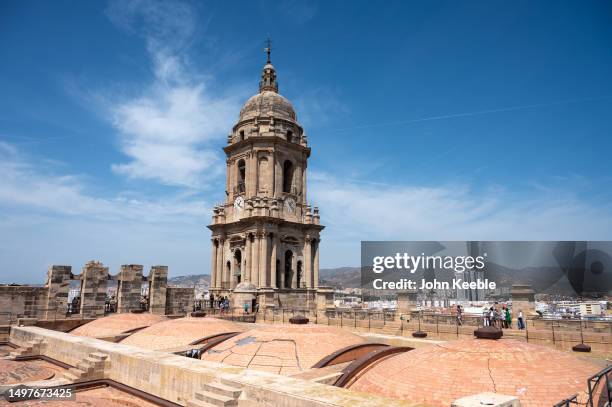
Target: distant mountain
[[543, 280], [190, 281], [341, 277]]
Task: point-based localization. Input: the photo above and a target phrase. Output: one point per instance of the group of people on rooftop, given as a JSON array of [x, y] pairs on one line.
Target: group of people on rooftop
[[497, 315]]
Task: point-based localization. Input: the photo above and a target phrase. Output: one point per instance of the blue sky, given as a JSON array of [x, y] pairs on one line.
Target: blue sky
[[428, 120]]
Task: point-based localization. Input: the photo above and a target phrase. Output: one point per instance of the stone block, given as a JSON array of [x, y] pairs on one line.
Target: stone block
[[487, 399]]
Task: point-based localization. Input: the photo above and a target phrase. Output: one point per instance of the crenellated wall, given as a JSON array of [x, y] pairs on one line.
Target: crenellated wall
[[61, 296], [179, 300], [128, 287], [158, 290], [17, 301], [93, 290]]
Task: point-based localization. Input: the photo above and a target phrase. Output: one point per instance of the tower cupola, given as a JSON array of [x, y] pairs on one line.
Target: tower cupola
[[268, 75]]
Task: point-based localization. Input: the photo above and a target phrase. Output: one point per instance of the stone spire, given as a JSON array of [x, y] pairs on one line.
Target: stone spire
[[268, 76]]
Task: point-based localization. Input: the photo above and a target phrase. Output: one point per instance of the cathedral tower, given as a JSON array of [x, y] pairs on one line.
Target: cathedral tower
[[265, 236]]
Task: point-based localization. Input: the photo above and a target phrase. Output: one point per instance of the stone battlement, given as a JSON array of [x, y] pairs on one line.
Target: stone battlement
[[134, 291]]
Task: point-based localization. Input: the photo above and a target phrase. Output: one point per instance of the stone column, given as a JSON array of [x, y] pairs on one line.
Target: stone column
[[232, 276], [93, 291], [157, 293], [220, 263], [255, 262], [263, 260], [58, 286], [228, 186], [325, 298], [294, 271], [213, 264], [227, 273], [308, 262], [273, 270], [282, 270], [248, 188], [247, 258], [298, 177], [279, 178], [272, 176], [304, 200], [129, 282], [315, 264], [253, 176]]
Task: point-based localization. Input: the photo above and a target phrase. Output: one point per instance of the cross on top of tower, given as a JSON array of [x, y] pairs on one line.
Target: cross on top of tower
[[268, 76], [268, 49]]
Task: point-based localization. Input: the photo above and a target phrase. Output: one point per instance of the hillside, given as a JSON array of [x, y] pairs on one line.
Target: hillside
[[190, 280], [543, 280], [339, 277]]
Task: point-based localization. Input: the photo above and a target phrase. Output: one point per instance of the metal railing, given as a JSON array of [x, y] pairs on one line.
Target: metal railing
[[566, 330], [599, 387], [572, 400]]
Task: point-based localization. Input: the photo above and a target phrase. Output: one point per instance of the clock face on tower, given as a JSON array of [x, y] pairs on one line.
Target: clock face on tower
[[289, 204], [239, 204]]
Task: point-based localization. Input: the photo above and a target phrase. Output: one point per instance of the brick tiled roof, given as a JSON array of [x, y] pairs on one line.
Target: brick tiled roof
[[436, 375], [116, 324], [97, 397], [179, 332], [283, 349], [12, 372]]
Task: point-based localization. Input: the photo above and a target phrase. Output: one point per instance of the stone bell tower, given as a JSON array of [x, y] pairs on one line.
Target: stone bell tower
[[265, 236]]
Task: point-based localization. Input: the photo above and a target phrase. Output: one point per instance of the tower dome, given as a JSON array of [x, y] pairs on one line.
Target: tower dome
[[267, 103], [268, 113]]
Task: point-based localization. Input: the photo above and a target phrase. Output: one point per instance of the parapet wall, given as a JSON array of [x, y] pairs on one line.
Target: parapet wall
[[85, 294], [22, 300], [179, 300], [177, 378]]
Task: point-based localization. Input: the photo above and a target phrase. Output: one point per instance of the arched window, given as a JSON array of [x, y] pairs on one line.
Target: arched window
[[241, 135], [287, 176], [290, 136], [241, 176]]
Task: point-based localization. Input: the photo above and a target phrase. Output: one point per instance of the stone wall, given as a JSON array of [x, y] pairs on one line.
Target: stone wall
[[128, 287], [158, 278], [51, 301], [21, 301], [58, 287], [93, 290], [179, 300]]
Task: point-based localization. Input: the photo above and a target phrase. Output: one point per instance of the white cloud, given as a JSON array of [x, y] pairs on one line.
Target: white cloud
[[48, 218], [171, 130], [169, 134], [355, 211], [28, 188]]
